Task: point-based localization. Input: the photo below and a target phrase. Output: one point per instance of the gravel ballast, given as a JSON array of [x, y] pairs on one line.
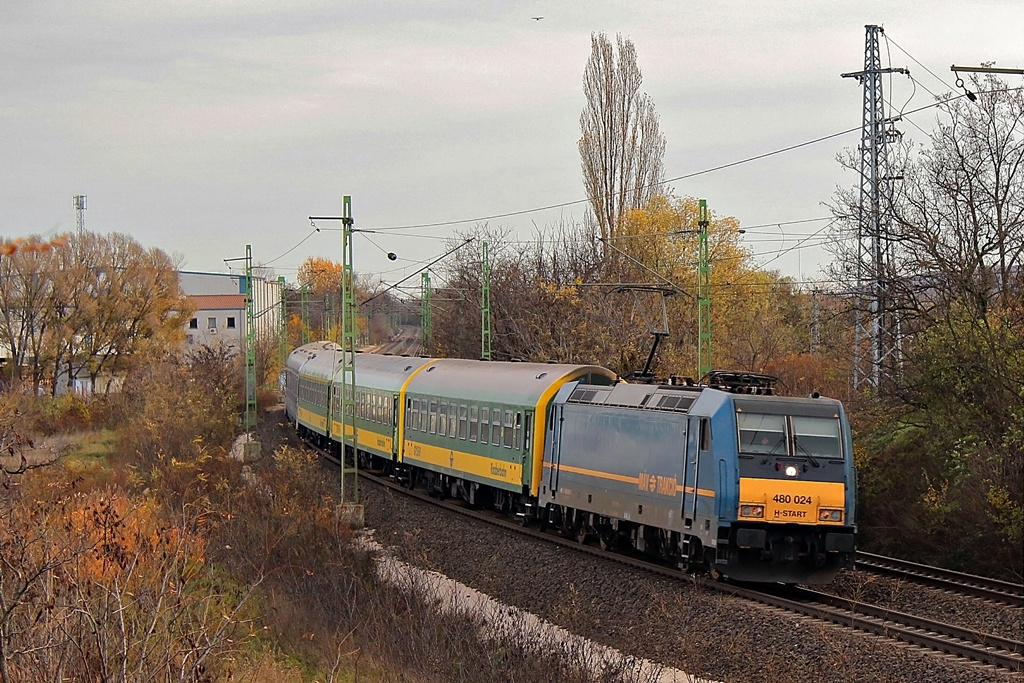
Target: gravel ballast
[[678, 624]]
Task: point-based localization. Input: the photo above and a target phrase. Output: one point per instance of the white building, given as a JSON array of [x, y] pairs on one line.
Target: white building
[[219, 300]]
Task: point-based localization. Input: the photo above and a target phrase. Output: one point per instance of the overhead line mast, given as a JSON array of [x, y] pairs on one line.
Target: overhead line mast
[[876, 337], [350, 439], [485, 305], [703, 292], [426, 323]]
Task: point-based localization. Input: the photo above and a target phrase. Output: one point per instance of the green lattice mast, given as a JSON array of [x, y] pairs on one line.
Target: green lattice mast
[[485, 306], [305, 314], [426, 324], [282, 334], [250, 347], [703, 293]]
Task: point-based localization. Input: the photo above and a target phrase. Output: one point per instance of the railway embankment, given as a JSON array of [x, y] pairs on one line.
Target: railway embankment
[[685, 626]]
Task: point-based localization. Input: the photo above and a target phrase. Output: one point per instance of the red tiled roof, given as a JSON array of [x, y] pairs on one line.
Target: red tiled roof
[[219, 302]]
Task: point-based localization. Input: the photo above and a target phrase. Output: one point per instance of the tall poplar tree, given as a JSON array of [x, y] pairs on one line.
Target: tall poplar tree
[[621, 145]]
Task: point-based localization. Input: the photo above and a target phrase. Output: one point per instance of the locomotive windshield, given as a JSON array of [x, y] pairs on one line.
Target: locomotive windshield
[[816, 436], [762, 433], [789, 435]]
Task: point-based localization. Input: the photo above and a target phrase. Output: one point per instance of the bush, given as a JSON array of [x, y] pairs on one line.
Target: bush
[[328, 607], [50, 415], [106, 585], [181, 407]]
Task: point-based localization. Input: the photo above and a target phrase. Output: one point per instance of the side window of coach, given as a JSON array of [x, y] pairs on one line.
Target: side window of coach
[[508, 429], [485, 425], [496, 428]]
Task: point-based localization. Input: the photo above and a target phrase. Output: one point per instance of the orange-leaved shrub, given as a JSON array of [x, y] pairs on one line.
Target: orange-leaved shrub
[[105, 585]]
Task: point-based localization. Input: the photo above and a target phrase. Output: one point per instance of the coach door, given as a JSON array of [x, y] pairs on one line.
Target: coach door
[[556, 449], [394, 427], [527, 439], [690, 462]]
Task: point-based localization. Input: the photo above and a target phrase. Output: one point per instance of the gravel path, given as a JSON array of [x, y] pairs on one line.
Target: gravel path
[[680, 625]]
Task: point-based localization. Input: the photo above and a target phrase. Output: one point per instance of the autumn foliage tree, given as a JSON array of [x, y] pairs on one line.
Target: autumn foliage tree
[[322, 279], [90, 305], [562, 300]]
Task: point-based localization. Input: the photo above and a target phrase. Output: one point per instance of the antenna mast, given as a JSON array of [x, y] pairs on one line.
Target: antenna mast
[[80, 213]]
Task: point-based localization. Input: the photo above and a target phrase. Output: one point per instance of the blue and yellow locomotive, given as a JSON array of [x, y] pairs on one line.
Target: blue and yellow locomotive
[[747, 485]]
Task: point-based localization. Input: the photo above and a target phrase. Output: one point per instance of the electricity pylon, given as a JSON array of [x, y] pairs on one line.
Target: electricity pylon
[[875, 330]]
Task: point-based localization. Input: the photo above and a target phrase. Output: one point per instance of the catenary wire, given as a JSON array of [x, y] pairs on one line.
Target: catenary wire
[[900, 48], [667, 180]]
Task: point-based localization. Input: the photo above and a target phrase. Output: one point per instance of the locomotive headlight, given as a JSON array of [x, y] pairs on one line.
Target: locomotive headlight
[[791, 470], [752, 511], [830, 515]]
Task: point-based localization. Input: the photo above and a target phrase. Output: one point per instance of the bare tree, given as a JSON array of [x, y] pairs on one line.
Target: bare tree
[[956, 232], [621, 145]]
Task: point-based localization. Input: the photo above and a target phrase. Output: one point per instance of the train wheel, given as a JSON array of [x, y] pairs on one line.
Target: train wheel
[[582, 528], [520, 516]]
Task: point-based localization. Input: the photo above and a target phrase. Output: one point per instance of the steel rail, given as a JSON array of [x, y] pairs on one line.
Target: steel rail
[[971, 645], [966, 584], [991, 649]]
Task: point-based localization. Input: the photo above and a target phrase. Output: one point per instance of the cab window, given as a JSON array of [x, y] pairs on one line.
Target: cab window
[[817, 437], [762, 434]]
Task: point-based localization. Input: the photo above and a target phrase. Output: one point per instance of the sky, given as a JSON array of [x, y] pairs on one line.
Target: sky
[[199, 127]]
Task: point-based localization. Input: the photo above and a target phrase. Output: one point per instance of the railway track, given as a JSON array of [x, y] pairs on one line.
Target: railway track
[[1002, 653], [406, 342], [1002, 592], [986, 649]]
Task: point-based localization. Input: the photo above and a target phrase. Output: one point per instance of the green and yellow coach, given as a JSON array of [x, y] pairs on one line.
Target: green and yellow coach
[[475, 430]]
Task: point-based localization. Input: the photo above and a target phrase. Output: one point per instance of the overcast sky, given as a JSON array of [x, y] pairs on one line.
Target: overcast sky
[[201, 126]]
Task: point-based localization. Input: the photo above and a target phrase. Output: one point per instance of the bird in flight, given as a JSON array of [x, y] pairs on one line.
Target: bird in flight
[[536, 18]]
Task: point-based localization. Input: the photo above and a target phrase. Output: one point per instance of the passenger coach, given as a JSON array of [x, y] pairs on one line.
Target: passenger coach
[[472, 423]]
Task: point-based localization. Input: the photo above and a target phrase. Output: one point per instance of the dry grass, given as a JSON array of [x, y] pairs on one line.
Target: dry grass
[[154, 556]]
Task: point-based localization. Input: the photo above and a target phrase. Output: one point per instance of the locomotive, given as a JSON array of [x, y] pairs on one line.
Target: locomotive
[[724, 477]]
